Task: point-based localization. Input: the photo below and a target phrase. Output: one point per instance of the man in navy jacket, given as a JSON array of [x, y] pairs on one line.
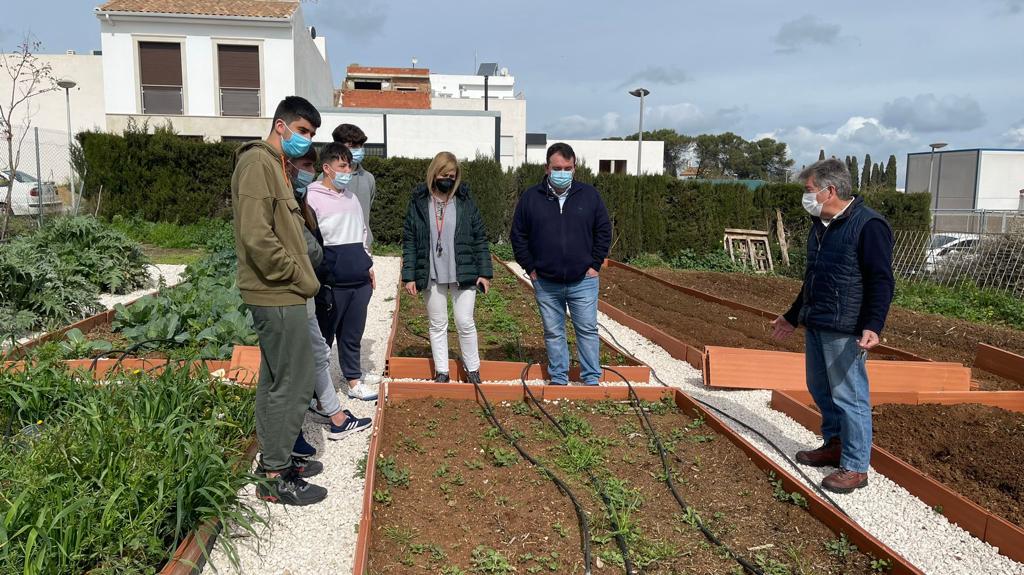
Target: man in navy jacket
[[847, 290], [560, 236]]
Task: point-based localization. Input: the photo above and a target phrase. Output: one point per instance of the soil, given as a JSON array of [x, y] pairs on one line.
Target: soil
[[977, 450], [928, 335], [507, 321], [103, 332], [517, 512]]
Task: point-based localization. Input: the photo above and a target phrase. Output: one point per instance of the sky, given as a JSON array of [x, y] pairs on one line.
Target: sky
[[852, 78]]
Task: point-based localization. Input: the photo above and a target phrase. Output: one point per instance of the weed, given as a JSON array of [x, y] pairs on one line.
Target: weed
[[560, 529], [770, 566], [487, 560], [402, 536], [840, 548], [521, 408], [578, 455], [432, 424], [436, 553], [441, 471], [574, 424], [503, 457], [501, 501], [780, 493], [360, 472], [388, 468], [411, 445], [439, 404], [447, 490], [450, 453], [458, 479], [937, 509], [382, 496], [881, 565], [474, 464], [452, 570]]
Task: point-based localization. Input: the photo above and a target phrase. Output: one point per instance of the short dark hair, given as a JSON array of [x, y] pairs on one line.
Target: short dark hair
[[309, 155], [562, 149], [349, 134], [335, 151], [295, 107]]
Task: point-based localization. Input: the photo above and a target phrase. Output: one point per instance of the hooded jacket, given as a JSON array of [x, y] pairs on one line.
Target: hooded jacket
[[339, 217], [273, 266]]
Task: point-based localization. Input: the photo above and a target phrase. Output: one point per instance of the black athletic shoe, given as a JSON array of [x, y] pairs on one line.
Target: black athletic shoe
[[474, 377], [307, 468], [302, 448], [290, 489], [442, 377]]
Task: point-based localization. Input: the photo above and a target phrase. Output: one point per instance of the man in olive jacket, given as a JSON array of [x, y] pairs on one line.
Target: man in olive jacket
[[275, 278]]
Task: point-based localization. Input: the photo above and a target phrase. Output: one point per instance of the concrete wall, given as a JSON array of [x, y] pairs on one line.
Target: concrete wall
[[591, 152], [1001, 179], [513, 124], [471, 86], [313, 79], [211, 129]]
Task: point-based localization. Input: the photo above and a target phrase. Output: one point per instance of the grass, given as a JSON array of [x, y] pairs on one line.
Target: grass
[[173, 256], [109, 479], [968, 302], [170, 235]]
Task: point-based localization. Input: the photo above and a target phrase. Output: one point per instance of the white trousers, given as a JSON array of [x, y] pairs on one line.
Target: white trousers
[[463, 302]]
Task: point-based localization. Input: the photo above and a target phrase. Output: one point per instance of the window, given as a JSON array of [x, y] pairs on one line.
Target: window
[[611, 166], [239, 73], [604, 167], [375, 150], [160, 78], [619, 166], [367, 85], [238, 139]]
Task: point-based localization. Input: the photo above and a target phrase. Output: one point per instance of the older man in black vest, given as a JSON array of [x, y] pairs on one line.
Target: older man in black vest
[[848, 287]]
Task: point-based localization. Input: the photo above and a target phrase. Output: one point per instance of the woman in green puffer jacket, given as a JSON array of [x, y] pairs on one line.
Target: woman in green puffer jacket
[[445, 253]]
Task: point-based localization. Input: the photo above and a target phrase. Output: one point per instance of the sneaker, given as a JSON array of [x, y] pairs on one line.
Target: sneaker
[[362, 391], [474, 377], [825, 456], [302, 448], [372, 379], [291, 489], [306, 468], [844, 481], [352, 424], [442, 377]]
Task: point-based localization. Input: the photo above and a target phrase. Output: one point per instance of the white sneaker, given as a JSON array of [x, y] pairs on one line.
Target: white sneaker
[[362, 391], [372, 379]]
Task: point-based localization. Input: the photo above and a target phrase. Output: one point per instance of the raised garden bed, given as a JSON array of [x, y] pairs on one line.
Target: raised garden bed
[[927, 335], [448, 494], [509, 331], [961, 458]]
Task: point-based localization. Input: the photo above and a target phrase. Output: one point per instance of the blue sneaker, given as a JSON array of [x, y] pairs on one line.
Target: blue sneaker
[[352, 424], [302, 448]]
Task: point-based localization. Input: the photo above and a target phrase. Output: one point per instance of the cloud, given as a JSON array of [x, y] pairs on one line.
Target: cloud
[[930, 113], [805, 31], [857, 136], [657, 75], [1014, 137], [355, 20], [1011, 7], [687, 118], [577, 126]]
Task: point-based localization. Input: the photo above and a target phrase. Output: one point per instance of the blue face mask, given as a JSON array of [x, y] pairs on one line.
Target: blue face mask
[[341, 180], [299, 192], [302, 178], [357, 155], [296, 146], [560, 178]]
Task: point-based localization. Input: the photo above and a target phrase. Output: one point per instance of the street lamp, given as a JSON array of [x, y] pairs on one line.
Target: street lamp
[[67, 84], [931, 165], [640, 93]]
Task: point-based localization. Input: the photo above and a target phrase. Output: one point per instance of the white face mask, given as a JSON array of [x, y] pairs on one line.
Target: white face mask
[[811, 204]]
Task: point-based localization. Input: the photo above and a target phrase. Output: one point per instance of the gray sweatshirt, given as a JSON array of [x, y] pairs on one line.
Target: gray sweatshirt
[[364, 187]]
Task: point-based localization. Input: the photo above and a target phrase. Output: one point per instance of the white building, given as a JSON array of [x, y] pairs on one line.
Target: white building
[[603, 156], [466, 92], [214, 69], [974, 179]]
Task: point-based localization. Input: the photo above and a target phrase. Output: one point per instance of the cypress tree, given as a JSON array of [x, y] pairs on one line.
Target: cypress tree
[[854, 173], [821, 154], [865, 177], [890, 173]]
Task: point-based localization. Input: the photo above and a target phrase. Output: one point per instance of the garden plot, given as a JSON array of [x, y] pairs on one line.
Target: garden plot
[[933, 336], [451, 495], [508, 326]]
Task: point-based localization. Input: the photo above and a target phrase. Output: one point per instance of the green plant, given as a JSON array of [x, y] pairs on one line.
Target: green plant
[[578, 455], [770, 566], [402, 536], [840, 548], [937, 509], [964, 302], [388, 469], [382, 496], [75, 344], [487, 560], [360, 472], [780, 494], [474, 464], [441, 471], [436, 553], [881, 565], [502, 457]]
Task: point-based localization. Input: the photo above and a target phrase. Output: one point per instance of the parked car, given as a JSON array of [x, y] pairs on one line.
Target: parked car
[[27, 193], [948, 245]]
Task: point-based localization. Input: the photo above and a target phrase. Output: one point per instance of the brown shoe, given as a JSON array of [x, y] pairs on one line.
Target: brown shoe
[[844, 481], [826, 455]]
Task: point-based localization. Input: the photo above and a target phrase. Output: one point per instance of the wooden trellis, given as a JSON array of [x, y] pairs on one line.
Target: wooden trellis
[[751, 248]]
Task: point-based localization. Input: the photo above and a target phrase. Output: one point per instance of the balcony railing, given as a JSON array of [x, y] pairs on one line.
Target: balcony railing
[[166, 100], [240, 102]]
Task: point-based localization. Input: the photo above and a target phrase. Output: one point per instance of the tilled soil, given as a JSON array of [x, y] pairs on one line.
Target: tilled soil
[[929, 335], [977, 450], [507, 321], [458, 498]]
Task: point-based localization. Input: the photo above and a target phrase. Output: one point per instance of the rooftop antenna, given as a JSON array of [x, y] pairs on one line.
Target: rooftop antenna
[[414, 61]]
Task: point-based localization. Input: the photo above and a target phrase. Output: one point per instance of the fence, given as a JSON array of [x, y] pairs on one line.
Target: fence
[[42, 156], [987, 260], [977, 221]]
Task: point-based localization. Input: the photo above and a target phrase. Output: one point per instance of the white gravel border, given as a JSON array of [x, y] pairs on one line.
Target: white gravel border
[[172, 274], [883, 508], [321, 538]]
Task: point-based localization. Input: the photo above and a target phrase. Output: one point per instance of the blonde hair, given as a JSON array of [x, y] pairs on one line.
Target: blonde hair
[[441, 163]]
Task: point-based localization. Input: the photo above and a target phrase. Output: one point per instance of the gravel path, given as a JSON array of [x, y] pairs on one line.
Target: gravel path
[[172, 275], [897, 518], [322, 538]]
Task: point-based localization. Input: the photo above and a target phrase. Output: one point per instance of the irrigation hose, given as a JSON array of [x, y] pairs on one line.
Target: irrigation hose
[[813, 484], [645, 422], [619, 538]]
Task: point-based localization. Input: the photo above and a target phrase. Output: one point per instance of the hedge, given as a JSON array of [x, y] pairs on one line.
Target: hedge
[[163, 177]]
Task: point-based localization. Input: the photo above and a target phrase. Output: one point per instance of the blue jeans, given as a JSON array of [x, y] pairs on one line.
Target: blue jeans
[[581, 299], [838, 381]]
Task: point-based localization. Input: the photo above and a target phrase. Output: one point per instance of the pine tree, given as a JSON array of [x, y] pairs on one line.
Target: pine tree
[[821, 154], [890, 173], [865, 177], [854, 173]]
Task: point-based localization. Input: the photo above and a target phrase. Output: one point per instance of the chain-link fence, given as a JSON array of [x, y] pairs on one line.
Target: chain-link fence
[[977, 221], [987, 260], [42, 176]]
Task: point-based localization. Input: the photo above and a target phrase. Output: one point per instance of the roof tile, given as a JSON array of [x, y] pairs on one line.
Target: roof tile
[[243, 8]]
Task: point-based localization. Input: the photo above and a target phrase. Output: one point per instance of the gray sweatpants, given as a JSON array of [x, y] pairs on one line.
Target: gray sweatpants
[[286, 380], [324, 386]]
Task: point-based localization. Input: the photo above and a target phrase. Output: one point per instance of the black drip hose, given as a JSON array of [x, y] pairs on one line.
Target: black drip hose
[[645, 422], [813, 484], [623, 547]]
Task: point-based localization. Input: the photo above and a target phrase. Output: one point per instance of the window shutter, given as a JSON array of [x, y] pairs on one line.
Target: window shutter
[[160, 63], [239, 66]]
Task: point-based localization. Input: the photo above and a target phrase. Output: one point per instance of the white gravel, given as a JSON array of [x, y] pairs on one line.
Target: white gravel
[[171, 274], [322, 538]]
